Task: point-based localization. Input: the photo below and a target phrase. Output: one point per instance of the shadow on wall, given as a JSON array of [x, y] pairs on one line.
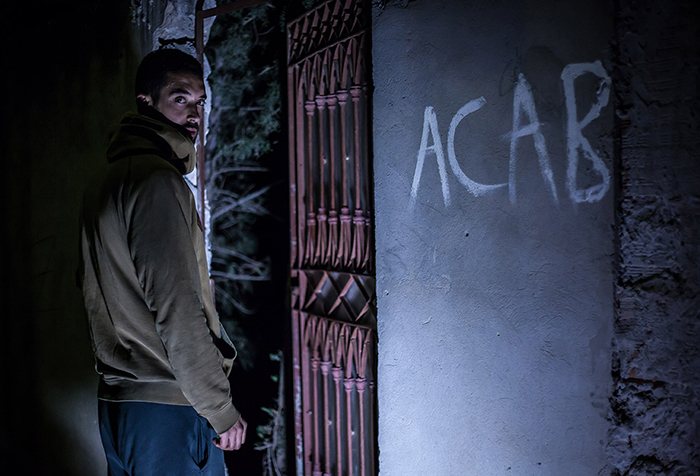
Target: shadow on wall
[[71, 79]]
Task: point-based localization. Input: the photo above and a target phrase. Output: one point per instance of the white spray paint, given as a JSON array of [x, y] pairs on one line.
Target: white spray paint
[[430, 122], [575, 139], [477, 189], [524, 102], [524, 105]]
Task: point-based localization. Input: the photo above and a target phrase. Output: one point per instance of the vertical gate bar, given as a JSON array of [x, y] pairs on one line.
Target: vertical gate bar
[[369, 237], [355, 93], [294, 155], [343, 100], [349, 384], [311, 215], [291, 110], [364, 113], [337, 374], [322, 218], [301, 164], [316, 415], [306, 391], [367, 255], [361, 385], [358, 243], [325, 370], [363, 371], [333, 213], [297, 394], [345, 219]]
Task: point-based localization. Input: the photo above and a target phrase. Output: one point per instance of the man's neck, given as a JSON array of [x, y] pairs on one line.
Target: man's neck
[[153, 113]]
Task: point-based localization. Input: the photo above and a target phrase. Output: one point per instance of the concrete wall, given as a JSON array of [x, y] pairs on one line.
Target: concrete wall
[[495, 262]]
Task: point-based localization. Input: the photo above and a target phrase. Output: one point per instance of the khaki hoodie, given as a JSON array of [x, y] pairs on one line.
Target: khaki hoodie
[[155, 333]]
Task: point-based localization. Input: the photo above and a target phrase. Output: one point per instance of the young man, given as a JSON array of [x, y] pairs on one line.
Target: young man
[[162, 355]]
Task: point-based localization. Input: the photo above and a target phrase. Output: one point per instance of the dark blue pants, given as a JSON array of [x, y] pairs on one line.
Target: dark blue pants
[[152, 439]]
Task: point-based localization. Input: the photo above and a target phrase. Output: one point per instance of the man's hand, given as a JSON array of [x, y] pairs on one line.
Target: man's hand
[[234, 437]]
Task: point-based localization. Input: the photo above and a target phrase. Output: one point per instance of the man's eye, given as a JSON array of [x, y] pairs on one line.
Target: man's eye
[[201, 102], [180, 100]]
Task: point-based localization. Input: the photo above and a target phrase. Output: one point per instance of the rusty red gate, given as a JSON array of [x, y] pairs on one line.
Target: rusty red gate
[[332, 246]]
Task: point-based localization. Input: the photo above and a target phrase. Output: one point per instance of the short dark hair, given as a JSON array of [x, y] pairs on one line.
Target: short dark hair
[[152, 75]]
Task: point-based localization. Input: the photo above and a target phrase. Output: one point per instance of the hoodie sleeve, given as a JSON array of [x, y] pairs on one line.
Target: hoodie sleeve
[[161, 244]]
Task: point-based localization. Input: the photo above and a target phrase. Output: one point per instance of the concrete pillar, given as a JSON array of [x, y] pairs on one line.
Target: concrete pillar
[[493, 144]]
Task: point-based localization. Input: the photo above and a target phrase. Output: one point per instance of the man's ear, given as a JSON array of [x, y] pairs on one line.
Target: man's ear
[[145, 99]]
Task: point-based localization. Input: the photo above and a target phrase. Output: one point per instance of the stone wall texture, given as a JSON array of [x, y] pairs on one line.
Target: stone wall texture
[[655, 405]]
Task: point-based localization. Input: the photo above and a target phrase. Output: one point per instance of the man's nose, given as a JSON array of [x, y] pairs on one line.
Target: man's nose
[[193, 114]]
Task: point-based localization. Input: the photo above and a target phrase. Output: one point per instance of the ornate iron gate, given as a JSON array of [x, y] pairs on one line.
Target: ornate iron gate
[[332, 246]]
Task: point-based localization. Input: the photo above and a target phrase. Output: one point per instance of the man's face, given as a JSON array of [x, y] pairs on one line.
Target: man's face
[[181, 101]]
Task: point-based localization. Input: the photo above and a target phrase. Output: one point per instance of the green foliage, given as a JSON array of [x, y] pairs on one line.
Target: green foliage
[[244, 128]]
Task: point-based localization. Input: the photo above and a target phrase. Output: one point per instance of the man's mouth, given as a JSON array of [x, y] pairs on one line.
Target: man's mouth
[[192, 129]]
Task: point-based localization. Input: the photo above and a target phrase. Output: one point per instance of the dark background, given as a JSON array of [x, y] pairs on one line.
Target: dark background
[[66, 79]]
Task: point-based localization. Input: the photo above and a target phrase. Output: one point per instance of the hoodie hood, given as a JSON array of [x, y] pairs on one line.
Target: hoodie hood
[[138, 134]]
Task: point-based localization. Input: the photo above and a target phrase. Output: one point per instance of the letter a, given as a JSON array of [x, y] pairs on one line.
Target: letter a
[[575, 139], [430, 125], [524, 102]]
